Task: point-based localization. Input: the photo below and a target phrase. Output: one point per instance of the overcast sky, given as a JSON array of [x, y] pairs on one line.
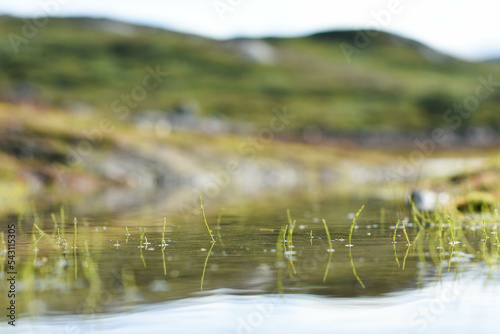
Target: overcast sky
[[468, 29]]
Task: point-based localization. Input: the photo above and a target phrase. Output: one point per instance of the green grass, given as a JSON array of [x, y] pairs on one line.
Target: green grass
[[75, 247], [280, 259], [350, 247], [163, 245], [473, 236], [141, 246], [205, 219], [289, 242], [205, 265], [330, 250]]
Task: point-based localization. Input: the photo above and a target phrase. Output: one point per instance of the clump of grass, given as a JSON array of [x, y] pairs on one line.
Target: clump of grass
[[205, 219], [350, 248]]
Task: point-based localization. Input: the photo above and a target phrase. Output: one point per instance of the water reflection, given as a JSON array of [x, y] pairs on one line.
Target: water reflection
[[139, 274]]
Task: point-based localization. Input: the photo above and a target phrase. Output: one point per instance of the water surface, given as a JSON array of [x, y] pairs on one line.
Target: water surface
[[251, 279]]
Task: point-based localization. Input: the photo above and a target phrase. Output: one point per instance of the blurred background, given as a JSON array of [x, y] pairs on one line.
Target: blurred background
[[129, 104]]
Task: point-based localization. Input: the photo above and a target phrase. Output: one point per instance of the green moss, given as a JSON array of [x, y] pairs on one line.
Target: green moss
[[476, 202]]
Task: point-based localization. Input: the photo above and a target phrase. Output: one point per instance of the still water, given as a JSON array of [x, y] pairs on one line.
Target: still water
[[130, 272]]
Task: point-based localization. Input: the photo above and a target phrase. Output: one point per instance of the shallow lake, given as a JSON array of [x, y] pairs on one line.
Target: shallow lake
[[132, 273]]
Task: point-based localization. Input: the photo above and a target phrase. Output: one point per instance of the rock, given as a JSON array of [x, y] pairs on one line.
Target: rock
[[428, 200], [254, 50]]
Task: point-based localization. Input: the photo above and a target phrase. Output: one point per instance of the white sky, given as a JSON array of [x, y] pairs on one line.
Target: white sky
[[468, 29]]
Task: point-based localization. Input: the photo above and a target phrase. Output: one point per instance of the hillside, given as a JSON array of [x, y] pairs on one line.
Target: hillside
[[391, 85]]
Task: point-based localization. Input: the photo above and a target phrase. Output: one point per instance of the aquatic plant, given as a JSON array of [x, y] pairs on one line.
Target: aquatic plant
[[280, 263], [205, 265], [406, 235], [289, 241], [141, 247], [217, 227], [205, 219], [163, 246], [127, 234], [350, 248], [330, 250], [74, 248]]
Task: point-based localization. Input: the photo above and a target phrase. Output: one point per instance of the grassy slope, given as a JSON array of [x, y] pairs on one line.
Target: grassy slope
[[72, 60]]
